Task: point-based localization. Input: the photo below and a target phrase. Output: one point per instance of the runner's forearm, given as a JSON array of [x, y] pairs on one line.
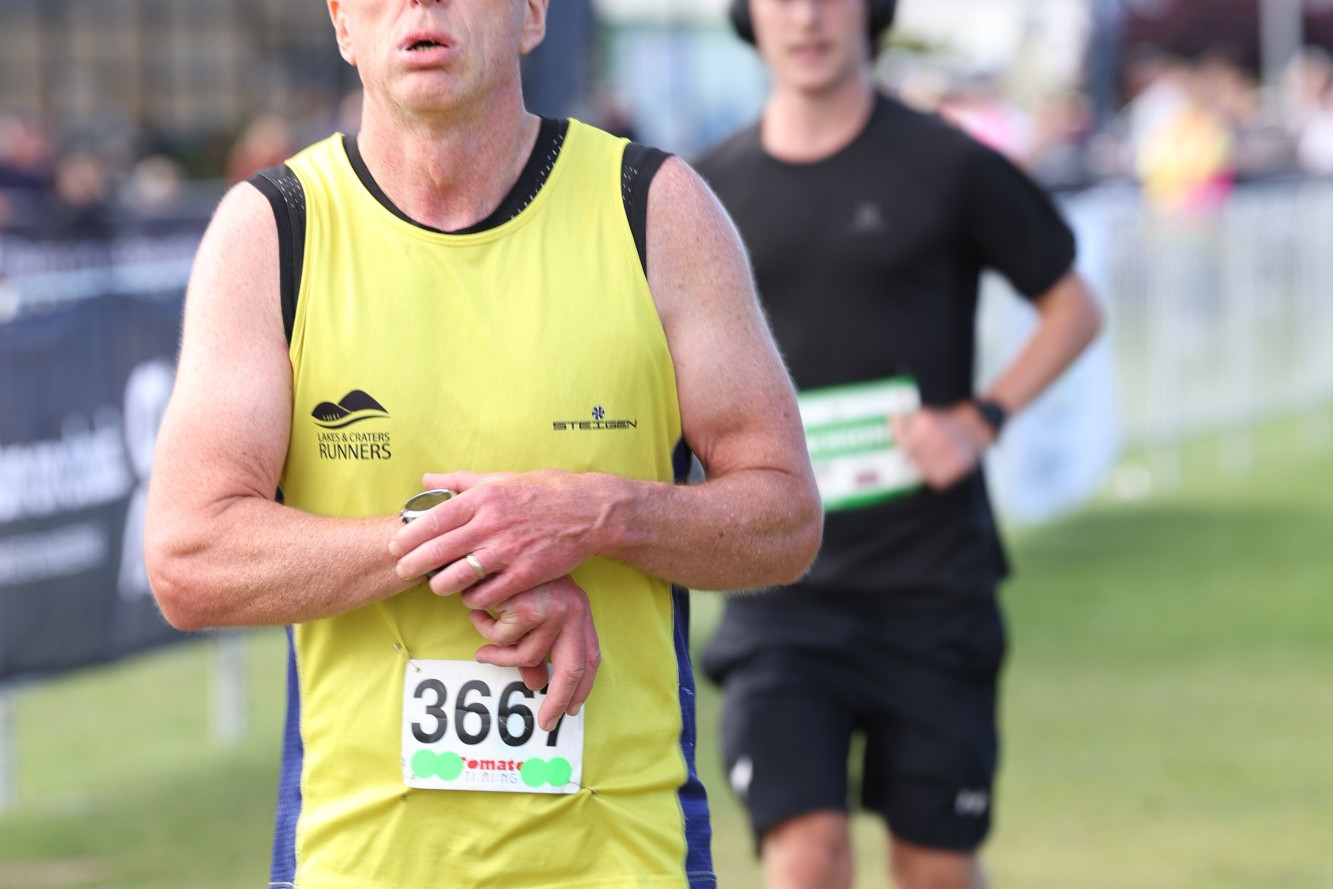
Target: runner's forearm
[[255, 562]]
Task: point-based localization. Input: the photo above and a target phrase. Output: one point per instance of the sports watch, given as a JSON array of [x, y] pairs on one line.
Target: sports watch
[[417, 504], [993, 413], [420, 503]]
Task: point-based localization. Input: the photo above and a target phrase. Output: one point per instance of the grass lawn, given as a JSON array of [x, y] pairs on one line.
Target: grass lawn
[[1168, 716]]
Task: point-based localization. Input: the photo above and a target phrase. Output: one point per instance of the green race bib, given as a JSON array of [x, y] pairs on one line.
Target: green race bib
[[852, 450]]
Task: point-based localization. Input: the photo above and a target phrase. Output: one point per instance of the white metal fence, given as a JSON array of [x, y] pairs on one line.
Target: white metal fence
[[1218, 322], [1225, 320]]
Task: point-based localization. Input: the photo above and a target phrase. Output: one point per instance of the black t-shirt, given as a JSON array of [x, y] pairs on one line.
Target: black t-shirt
[[868, 264]]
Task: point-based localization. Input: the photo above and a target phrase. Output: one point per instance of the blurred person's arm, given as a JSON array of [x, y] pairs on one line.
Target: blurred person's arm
[[1069, 318], [947, 443]]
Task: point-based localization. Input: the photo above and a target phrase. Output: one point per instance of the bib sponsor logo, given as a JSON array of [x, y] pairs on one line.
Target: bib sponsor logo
[[856, 461]]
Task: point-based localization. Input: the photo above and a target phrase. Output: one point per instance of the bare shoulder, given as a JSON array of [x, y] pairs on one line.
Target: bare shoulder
[[694, 251], [680, 203], [677, 181], [241, 233], [233, 311], [234, 284], [233, 379]]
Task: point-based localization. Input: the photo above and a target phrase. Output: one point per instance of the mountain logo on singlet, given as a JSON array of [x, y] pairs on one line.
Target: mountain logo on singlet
[[355, 445], [353, 407]]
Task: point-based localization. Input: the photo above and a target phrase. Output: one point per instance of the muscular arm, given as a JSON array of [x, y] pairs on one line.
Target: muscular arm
[[755, 521], [220, 551], [947, 443]]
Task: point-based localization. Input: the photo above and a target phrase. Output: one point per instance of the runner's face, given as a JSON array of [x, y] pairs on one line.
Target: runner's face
[[434, 56], [812, 46]]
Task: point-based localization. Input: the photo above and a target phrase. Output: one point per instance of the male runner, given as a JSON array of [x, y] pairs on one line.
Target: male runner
[[545, 322]]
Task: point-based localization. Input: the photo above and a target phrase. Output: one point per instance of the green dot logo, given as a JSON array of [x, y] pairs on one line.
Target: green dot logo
[[558, 772], [449, 766], [533, 772], [446, 766], [537, 772]]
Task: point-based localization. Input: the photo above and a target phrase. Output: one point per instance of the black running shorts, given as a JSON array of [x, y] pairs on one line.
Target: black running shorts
[[918, 685]]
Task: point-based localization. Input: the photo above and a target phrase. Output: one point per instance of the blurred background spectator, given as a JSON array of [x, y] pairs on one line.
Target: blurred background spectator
[[27, 157], [1062, 140], [977, 103], [153, 187], [1182, 96], [265, 141], [1183, 152]]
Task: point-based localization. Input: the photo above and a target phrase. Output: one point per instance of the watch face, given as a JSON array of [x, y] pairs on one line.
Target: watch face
[[424, 501], [992, 413]]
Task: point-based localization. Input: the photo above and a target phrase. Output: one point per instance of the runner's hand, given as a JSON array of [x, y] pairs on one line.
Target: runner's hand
[[503, 533], [553, 619], [945, 444]]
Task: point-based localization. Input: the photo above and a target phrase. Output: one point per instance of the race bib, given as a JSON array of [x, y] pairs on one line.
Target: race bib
[[852, 450], [470, 726]]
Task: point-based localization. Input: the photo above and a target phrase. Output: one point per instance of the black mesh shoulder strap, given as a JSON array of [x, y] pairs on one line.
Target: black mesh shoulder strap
[[637, 169], [285, 194], [638, 166]]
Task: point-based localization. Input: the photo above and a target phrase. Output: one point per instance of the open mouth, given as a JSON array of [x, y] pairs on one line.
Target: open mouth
[[424, 45]]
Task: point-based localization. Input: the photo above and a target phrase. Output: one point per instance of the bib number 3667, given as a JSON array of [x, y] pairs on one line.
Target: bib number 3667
[[470, 726]]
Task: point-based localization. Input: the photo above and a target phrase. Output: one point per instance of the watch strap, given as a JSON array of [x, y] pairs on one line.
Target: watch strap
[[993, 413]]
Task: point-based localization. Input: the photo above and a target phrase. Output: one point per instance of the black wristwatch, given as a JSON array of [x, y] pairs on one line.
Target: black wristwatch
[[992, 413]]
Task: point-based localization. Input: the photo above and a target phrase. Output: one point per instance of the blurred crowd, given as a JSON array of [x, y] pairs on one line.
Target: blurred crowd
[[56, 184], [1187, 132]]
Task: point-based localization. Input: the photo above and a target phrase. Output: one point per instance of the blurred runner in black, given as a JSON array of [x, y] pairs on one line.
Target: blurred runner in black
[[869, 225]]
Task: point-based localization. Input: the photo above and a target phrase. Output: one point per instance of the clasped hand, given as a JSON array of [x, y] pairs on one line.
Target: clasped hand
[[945, 444], [524, 533]]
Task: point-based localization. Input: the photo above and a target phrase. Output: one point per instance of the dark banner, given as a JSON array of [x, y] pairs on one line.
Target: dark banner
[[82, 391]]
